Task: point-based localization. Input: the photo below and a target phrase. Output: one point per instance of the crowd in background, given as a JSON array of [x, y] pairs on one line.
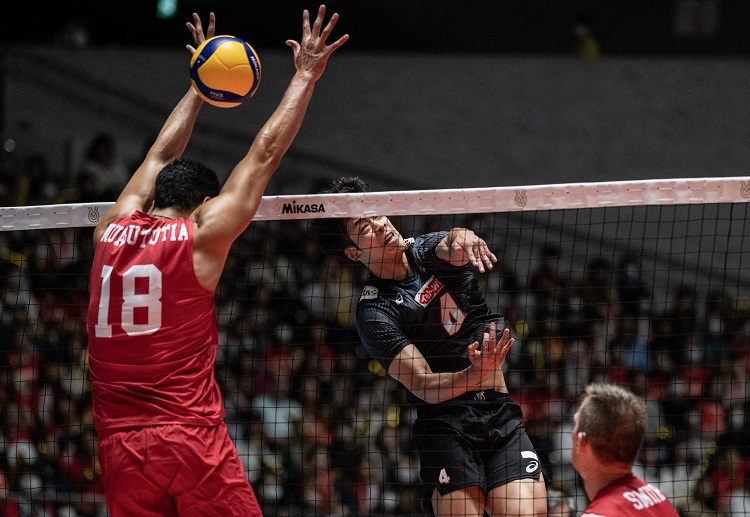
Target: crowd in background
[[322, 429]]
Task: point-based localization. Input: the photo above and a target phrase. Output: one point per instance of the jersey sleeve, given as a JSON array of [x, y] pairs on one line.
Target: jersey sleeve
[[379, 331], [423, 251]]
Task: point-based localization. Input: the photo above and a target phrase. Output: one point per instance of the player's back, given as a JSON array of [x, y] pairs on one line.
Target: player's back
[[152, 328], [630, 496]]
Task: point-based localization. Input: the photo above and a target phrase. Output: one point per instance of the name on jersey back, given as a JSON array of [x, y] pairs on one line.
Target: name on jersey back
[[134, 235]]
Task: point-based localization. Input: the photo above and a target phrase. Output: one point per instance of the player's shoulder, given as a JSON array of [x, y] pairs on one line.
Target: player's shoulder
[[379, 303], [369, 292], [115, 215]]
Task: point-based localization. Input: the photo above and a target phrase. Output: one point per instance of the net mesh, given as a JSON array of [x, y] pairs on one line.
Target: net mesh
[[644, 284]]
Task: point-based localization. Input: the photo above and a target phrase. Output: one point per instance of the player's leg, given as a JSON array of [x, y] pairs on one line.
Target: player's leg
[[468, 502], [222, 488], [128, 491], [449, 461], [515, 484], [523, 497]]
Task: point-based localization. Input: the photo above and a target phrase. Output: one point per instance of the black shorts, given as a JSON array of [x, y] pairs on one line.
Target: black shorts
[[477, 439]]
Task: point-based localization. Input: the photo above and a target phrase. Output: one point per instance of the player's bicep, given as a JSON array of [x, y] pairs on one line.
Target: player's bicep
[[224, 217]]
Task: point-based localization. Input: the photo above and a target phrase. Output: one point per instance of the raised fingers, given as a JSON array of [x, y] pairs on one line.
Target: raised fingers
[[211, 26], [503, 345], [196, 30], [305, 23], [318, 21], [473, 350], [329, 26]]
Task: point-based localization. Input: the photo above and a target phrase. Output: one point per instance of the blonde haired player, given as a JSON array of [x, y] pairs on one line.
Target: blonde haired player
[[609, 428], [163, 446]]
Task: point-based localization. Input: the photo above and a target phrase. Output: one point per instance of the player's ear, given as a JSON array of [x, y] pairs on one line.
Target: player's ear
[[206, 198], [353, 253]]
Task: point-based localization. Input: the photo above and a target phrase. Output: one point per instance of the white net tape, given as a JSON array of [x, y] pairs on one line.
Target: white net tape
[[430, 202]]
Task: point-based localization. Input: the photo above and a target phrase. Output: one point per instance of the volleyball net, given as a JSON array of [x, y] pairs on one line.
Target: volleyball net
[[645, 284]]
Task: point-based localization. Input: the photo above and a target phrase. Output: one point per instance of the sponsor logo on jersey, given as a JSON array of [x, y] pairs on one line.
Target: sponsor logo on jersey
[[369, 293], [428, 291], [294, 208], [534, 463]]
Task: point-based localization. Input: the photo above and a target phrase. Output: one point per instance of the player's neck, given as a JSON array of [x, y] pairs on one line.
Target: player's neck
[[594, 484], [396, 270], [167, 213]]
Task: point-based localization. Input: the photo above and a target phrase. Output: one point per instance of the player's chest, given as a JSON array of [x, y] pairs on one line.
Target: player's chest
[[428, 301]]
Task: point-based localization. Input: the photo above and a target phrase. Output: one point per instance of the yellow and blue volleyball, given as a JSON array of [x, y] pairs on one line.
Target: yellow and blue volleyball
[[225, 71]]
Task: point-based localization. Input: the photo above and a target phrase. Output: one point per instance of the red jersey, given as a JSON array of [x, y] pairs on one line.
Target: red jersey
[[151, 326], [630, 496]]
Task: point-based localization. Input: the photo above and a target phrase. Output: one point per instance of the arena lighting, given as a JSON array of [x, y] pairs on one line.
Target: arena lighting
[[166, 9]]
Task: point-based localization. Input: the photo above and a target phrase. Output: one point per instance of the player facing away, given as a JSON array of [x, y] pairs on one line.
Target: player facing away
[[609, 428], [423, 316], [163, 445]]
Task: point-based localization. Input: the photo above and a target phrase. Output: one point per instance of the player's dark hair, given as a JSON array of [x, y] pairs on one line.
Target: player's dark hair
[[331, 234], [184, 184]]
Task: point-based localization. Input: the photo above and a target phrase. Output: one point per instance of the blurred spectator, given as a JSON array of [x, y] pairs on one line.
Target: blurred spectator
[[665, 346], [559, 505], [725, 476], [548, 288], [104, 165], [684, 317], [739, 499], [321, 494], [586, 44], [714, 344], [279, 412], [35, 185], [502, 286], [600, 306], [255, 449], [6, 191], [630, 346], [270, 265], [86, 189], [680, 475], [631, 286]]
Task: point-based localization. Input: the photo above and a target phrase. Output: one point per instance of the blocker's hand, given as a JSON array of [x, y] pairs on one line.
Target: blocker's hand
[[196, 29], [311, 53]]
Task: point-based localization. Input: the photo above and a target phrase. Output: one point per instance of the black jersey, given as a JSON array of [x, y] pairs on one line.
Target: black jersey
[[439, 308]]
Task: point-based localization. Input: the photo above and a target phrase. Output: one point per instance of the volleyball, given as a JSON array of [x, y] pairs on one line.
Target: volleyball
[[225, 71]]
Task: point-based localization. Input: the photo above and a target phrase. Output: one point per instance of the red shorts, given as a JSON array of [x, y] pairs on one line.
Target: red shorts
[[175, 470]]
